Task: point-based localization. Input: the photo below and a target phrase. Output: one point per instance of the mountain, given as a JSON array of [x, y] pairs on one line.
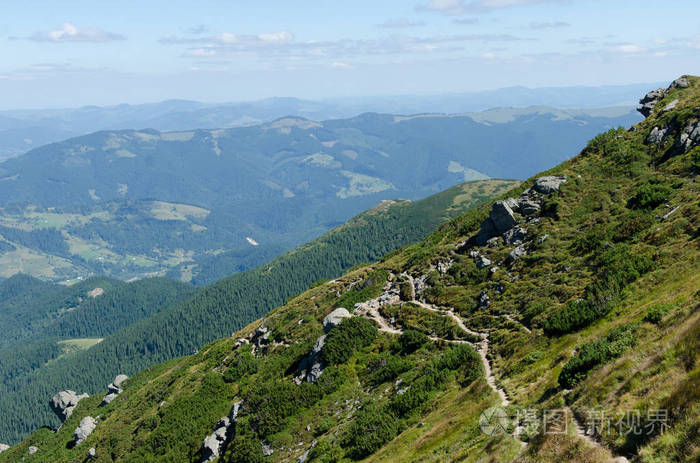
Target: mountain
[[201, 204], [23, 130], [570, 306], [138, 324]]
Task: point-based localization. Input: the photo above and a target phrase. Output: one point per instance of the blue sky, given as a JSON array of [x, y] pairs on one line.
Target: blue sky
[[73, 53]]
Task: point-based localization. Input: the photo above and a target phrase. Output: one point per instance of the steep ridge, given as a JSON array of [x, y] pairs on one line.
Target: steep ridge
[[587, 256], [221, 308]]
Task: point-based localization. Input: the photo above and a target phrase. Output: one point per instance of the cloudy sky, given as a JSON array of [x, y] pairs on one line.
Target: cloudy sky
[[108, 52]]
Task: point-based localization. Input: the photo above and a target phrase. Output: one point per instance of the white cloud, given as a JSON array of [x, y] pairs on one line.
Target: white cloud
[[400, 23], [488, 55], [458, 7], [341, 65], [69, 32], [628, 48], [548, 25]]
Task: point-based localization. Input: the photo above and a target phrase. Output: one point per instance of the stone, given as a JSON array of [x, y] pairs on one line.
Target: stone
[[85, 428], [672, 105], [502, 217], [65, 402], [119, 380], [513, 203], [484, 299], [690, 135], [649, 101], [482, 262], [681, 82], [32, 450], [4, 447], [514, 235], [542, 239], [92, 452], [549, 183], [493, 269], [517, 253], [528, 207], [334, 318], [620, 460], [109, 398], [657, 135], [267, 449], [215, 442], [493, 242]]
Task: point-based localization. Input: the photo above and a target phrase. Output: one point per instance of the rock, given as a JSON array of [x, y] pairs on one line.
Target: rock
[[514, 235], [649, 101], [109, 398], [85, 428], [690, 136], [119, 380], [493, 242], [92, 452], [502, 217], [32, 450], [542, 239], [334, 318], [681, 82], [315, 372], [484, 299], [528, 207], [474, 254], [493, 269], [65, 402], [267, 449], [482, 262], [657, 135], [4, 447], [312, 363], [517, 253], [672, 105], [215, 442], [305, 456], [620, 460], [513, 204], [549, 183]]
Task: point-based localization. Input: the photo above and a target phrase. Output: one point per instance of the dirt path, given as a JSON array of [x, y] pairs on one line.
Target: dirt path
[[581, 430]]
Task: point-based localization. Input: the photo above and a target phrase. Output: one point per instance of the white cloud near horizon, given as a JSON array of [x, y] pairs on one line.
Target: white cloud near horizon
[[459, 7], [69, 32]]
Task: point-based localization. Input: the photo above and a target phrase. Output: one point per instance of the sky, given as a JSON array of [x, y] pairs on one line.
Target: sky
[[79, 52]]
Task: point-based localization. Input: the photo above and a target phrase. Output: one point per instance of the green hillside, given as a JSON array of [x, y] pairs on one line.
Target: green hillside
[[579, 305], [199, 205], [150, 334]]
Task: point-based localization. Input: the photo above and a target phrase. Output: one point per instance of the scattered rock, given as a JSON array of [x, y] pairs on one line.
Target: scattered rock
[[32, 450], [85, 428], [493, 269], [542, 239], [657, 135], [267, 449], [517, 253], [514, 235], [528, 207], [620, 460], [305, 456], [493, 242], [114, 389], [119, 380], [474, 254], [484, 299], [92, 452], [690, 135], [334, 318], [215, 443], [502, 216], [549, 183], [109, 398], [312, 363], [482, 262], [4, 447], [65, 402]]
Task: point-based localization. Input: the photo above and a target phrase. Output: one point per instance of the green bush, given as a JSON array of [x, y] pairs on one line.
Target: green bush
[[597, 353], [325, 452], [412, 340], [574, 316], [369, 288], [649, 196], [389, 369], [657, 312], [242, 364], [342, 341], [370, 430]]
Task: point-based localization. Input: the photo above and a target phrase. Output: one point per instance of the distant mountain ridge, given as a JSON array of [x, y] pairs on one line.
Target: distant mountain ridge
[[135, 203]]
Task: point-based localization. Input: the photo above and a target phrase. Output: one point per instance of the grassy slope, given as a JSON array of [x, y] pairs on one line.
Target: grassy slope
[[230, 304], [166, 411]]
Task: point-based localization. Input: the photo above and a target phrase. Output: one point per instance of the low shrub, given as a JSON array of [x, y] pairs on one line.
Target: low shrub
[[412, 340], [649, 196], [370, 430], [342, 342], [657, 312]]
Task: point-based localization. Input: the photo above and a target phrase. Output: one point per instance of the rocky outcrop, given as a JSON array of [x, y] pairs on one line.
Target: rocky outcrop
[[690, 136], [215, 443], [334, 318], [114, 389], [267, 449], [650, 100], [65, 402], [548, 184], [85, 428], [311, 368], [681, 82], [657, 135], [482, 262]]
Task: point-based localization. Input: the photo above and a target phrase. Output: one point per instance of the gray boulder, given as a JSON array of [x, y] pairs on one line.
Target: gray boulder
[[528, 207], [92, 452], [649, 101], [681, 82], [517, 253], [119, 380], [484, 299], [85, 428], [690, 135], [502, 217], [4, 447], [65, 402], [334, 318], [672, 105], [267, 449], [312, 363], [215, 443], [515, 235], [482, 262], [657, 135], [549, 183], [109, 398], [33, 449]]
